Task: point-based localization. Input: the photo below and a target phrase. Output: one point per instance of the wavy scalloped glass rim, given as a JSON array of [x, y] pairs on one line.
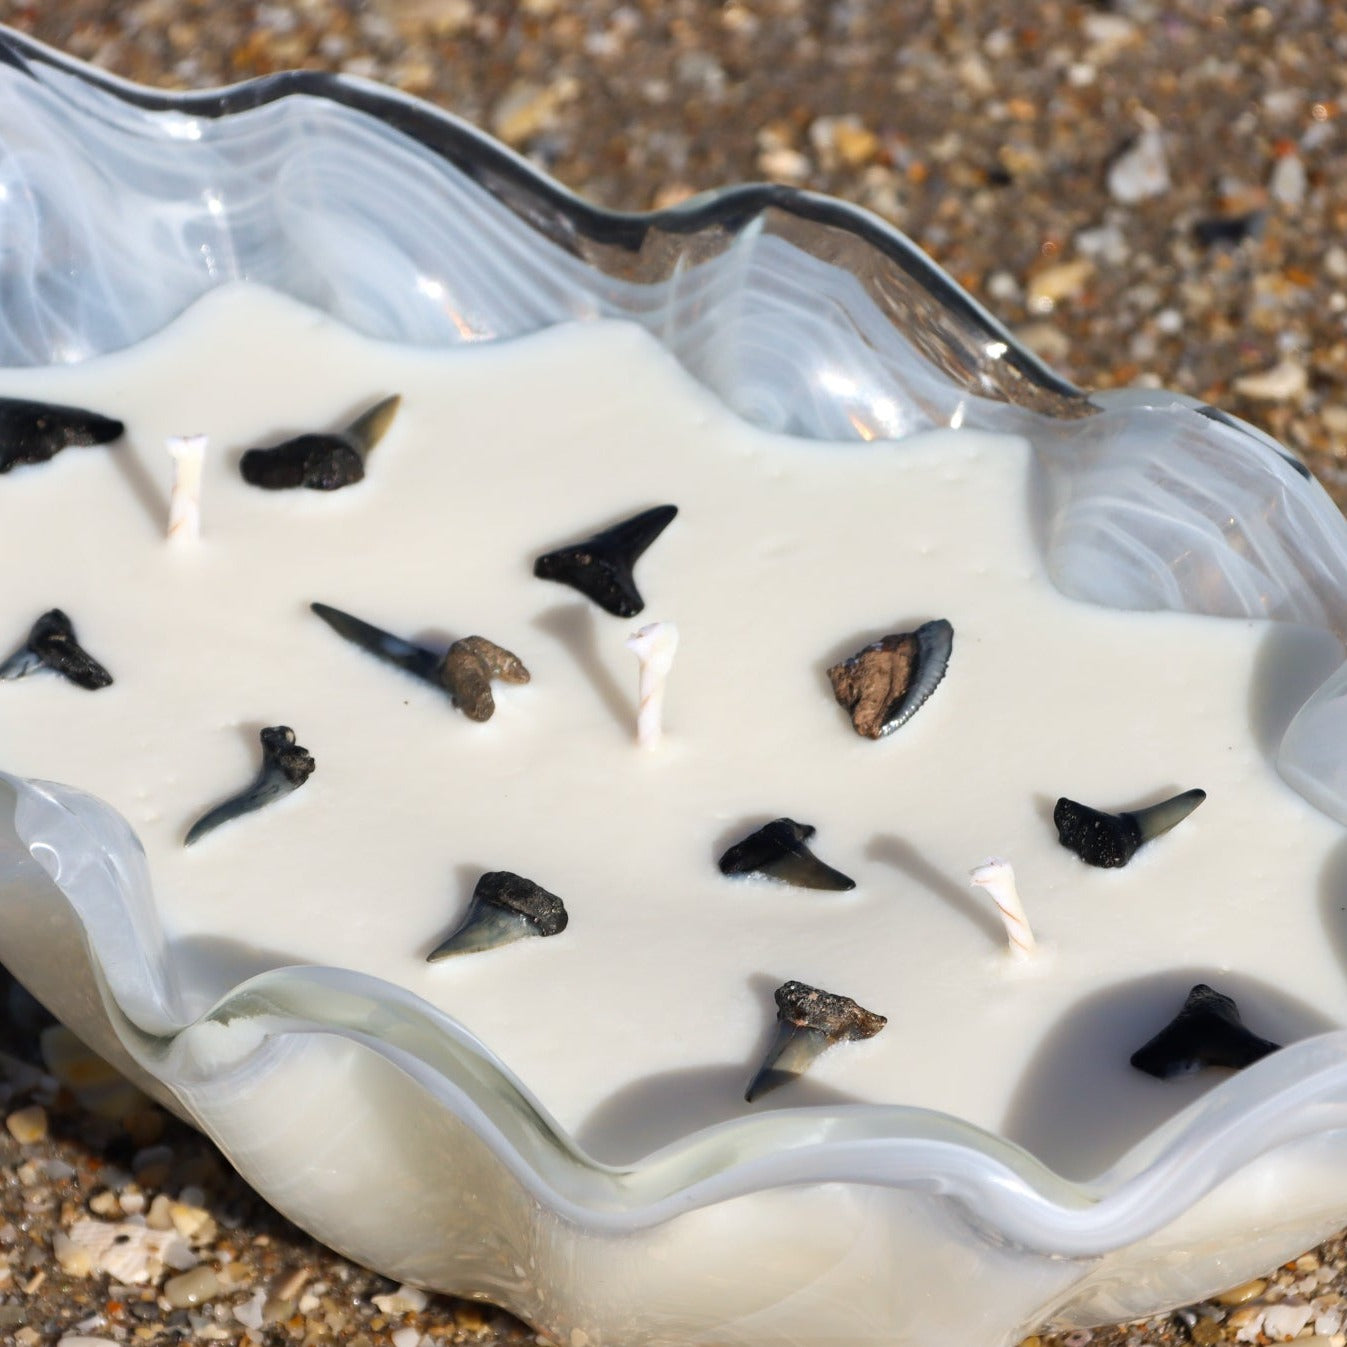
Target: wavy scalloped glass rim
[[1298, 1092]]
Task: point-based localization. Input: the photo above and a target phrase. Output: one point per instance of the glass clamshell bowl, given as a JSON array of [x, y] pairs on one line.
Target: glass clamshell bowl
[[422, 1155]]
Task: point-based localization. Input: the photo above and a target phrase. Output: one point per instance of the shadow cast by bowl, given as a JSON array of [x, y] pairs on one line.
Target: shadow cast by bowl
[[1291, 665], [1333, 902], [658, 1110], [213, 965], [1080, 1105]]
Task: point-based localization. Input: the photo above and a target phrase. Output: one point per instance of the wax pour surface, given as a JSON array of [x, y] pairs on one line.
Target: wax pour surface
[[647, 1014]]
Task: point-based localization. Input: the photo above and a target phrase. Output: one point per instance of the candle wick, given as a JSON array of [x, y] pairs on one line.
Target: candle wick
[[654, 646], [184, 504], [997, 877]]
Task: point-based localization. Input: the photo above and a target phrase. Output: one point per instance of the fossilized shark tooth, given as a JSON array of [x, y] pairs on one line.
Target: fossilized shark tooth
[[777, 850], [504, 907], [809, 1022], [1208, 1031], [884, 685], [469, 666], [322, 462], [601, 567], [51, 645], [464, 671], [1111, 840], [285, 768], [33, 432]]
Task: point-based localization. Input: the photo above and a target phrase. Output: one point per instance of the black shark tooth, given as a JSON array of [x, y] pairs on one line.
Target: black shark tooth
[[504, 907], [285, 768], [1111, 840], [1208, 1031], [465, 671], [33, 432], [51, 645], [884, 685], [324, 462], [601, 567], [809, 1022], [778, 851]]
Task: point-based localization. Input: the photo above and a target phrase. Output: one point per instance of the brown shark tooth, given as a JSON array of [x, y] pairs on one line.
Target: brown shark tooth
[[468, 669], [601, 567], [777, 851], [884, 685], [285, 768], [1208, 1031], [51, 645], [809, 1022], [1111, 840], [33, 432], [321, 462], [504, 907]]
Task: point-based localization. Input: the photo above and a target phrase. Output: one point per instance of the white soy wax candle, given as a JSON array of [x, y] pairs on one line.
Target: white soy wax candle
[[646, 1017]]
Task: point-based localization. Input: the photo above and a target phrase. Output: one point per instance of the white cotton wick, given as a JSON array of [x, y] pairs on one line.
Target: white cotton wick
[[998, 878], [654, 647], [184, 504]]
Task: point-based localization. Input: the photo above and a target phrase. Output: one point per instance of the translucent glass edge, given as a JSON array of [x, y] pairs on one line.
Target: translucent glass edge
[[1297, 1093], [492, 163]]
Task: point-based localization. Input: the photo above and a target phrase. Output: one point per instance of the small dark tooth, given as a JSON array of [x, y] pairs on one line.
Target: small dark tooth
[[33, 432], [601, 567], [809, 1022], [413, 659], [322, 462], [1111, 840], [51, 644], [504, 907], [778, 851], [285, 768], [464, 672], [884, 685], [468, 669], [1208, 1031]]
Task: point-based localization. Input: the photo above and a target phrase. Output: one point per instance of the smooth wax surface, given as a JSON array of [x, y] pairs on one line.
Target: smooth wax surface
[[646, 1017]]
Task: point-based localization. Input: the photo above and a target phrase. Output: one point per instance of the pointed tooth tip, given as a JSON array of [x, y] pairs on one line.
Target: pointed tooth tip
[[764, 1082], [372, 424], [484, 928], [1157, 819]]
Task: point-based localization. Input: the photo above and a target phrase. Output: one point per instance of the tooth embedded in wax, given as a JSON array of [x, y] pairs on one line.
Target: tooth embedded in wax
[[33, 432], [51, 645], [1208, 1031], [465, 671], [468, 669], [778, 851], [321, 462], [1111, 840], [504, 907], [285, 768], [884, 685], [601, 567], [809, 1022]]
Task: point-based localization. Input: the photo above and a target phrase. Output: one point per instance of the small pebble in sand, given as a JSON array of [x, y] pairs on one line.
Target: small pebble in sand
[[28, 1125]]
